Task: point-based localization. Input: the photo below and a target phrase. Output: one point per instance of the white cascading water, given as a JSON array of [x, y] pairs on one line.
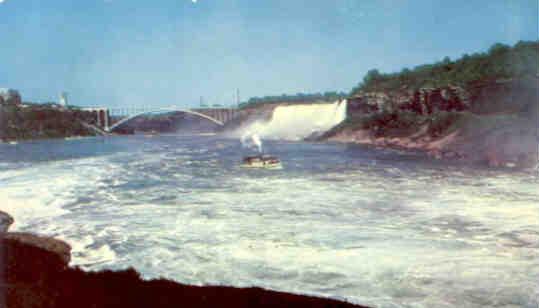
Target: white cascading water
[[296, 122]]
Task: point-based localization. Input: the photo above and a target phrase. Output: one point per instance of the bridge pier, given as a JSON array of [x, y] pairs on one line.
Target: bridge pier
[[102, 117]]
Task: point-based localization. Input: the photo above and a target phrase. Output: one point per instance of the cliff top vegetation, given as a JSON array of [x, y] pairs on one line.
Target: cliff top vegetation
[[499, 62], [295, 98]]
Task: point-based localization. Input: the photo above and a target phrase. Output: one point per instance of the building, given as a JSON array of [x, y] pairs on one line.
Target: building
[[63, 99], [10, 96]]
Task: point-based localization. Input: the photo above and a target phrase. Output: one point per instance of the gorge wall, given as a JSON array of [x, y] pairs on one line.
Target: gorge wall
[[482, 98], [34, 121], [490, 122]]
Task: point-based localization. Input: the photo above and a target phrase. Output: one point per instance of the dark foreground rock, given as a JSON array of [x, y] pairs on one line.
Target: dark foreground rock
[[34, 273], [54, 246], [5, 221]]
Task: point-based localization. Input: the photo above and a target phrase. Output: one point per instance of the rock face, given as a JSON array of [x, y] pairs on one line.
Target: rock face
[[42, 121], [493, 123], [479, 98], [5, 221], [423, 101], [506, 96], [57, 247]]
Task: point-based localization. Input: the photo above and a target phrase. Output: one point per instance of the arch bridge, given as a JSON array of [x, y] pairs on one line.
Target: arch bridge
[[219, 116]]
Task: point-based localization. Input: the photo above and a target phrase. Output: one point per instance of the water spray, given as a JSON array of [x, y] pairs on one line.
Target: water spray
[[250, 140], [256, 141]]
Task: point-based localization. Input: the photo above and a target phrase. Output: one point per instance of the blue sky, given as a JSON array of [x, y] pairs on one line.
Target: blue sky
[[159, 53]]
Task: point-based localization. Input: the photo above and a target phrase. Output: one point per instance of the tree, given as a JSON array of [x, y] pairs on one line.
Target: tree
[[498, 48], [446, 60], [500, 61], [371, 76]]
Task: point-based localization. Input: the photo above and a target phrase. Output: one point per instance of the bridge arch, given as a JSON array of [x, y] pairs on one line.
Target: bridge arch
[[161, 110]]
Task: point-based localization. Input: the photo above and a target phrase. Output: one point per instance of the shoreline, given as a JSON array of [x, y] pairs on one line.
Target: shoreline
[[444, 148], [37, 274], [492, 124]]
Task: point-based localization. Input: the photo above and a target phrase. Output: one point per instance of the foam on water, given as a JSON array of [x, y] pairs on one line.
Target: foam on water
[[331, 223]]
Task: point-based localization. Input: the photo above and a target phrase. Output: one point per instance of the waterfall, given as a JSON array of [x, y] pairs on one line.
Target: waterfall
[[296, 122]]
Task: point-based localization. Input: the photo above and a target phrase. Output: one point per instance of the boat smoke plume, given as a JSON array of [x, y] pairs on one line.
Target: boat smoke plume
[[251, 141]]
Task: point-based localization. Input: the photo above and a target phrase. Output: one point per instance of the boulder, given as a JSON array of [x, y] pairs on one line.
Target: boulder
[[5, 221], [58, 247]]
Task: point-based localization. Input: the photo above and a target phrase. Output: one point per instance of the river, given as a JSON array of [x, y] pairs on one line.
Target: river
[[371, 226]]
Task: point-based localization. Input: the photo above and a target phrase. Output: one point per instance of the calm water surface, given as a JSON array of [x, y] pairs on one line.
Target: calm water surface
[[374, 227]]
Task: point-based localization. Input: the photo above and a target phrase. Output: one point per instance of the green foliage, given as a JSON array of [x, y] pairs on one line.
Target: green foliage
[[41, 121], [499, 62], [297, 98]]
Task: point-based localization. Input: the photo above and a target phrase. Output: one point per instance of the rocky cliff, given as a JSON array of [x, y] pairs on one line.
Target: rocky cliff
[[33, 121], [423, 101], [483, 98], [489, 122]]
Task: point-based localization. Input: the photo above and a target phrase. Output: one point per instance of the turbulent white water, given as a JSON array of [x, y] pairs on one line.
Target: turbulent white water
[[295, 122], [381, 228]]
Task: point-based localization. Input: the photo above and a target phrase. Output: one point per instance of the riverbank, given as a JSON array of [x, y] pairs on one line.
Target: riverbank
[[494, 123], [36, 272], [497, 142], [43, 121]]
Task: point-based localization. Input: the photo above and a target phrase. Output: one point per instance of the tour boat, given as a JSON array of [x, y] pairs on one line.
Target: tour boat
[[262, 161]]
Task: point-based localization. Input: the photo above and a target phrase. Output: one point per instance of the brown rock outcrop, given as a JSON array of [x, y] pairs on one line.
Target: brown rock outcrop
[[5, 221], [492, 122], [423, 101], [487, 97], [55, 246]]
